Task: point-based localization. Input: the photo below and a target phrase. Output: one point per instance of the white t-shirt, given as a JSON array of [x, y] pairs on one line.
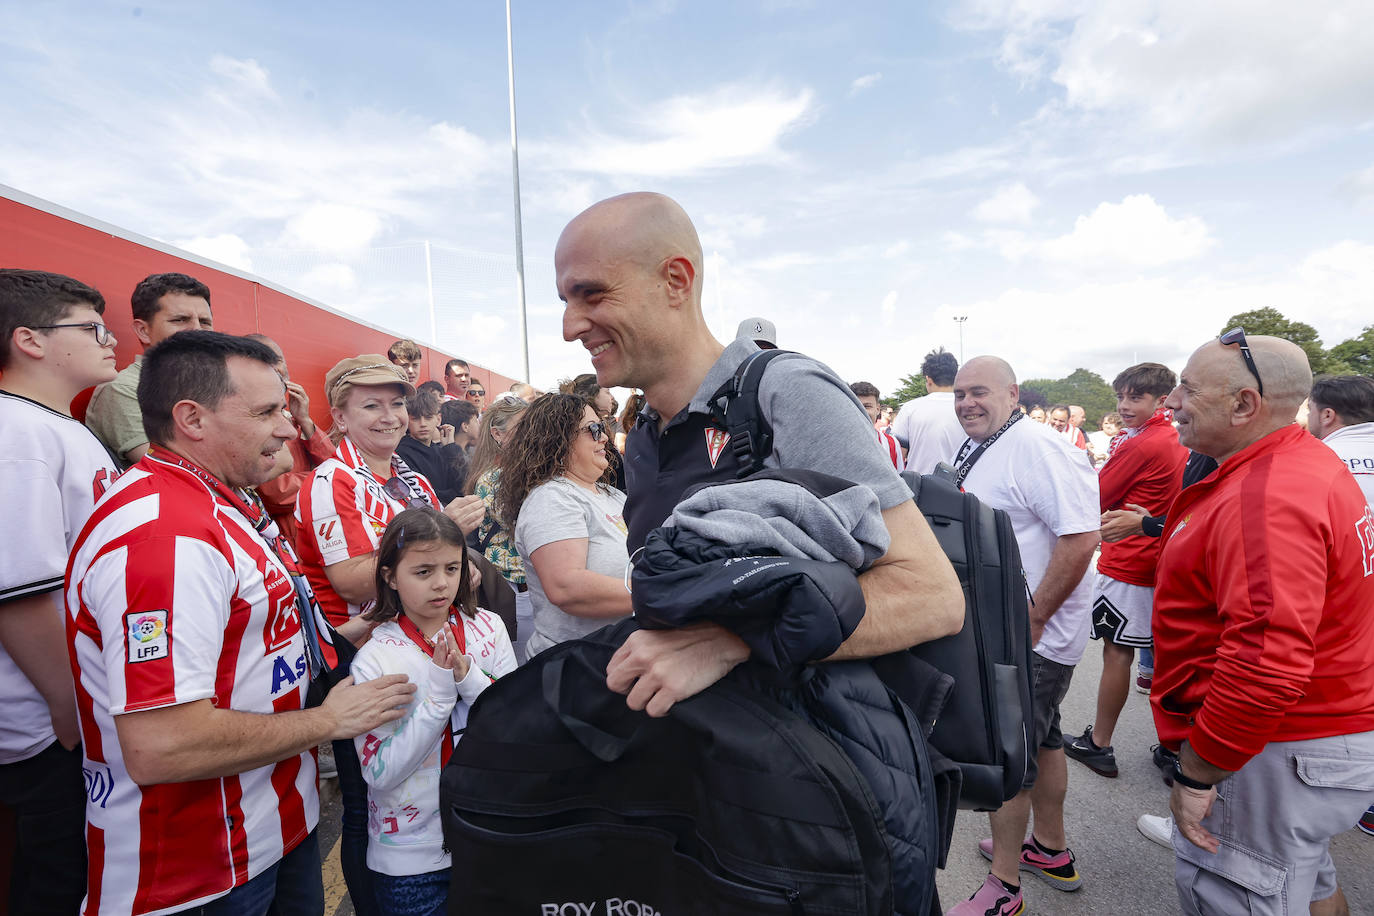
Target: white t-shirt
[[931, 430], [1048, 489], [52, 469], [560, 510], [1355, 446]]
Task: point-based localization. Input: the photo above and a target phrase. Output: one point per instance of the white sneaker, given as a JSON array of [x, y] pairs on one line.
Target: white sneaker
[[1158, 829]]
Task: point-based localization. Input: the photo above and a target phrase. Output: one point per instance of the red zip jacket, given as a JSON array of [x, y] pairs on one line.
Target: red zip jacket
[[1146, 469], [1264, 604]]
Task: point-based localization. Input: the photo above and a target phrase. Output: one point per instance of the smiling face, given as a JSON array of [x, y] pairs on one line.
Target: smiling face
[[587, 455], [374, 419], [984, 397], [427, 578], [1203, 403], [247, 429]]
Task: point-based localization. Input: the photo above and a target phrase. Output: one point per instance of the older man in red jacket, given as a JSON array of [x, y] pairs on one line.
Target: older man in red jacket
[[1264, 636]]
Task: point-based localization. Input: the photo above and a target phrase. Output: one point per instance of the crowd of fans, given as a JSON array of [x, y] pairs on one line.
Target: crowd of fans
[[182, 568]]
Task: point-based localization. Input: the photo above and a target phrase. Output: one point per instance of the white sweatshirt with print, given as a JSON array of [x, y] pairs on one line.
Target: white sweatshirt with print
[[401, 759]]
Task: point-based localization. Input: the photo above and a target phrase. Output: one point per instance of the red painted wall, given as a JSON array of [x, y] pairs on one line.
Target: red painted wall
[[313, 338]]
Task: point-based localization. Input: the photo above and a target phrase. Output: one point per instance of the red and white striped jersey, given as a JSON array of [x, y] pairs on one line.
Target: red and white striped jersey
[[342, 514], [172, 598]]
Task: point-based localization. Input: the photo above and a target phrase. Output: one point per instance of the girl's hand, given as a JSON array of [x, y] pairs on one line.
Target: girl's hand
[[460, 666], [444, 655]]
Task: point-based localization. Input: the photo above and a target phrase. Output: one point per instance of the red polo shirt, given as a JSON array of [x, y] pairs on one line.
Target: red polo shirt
[[1264, 604]]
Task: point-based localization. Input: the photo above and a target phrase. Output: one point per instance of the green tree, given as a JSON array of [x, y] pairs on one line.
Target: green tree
[[913, 386], [1354, 356], [1271, 322], [1083, 387]]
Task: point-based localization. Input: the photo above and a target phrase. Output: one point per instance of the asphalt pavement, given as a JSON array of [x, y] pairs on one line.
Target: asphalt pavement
[[1124, 874]]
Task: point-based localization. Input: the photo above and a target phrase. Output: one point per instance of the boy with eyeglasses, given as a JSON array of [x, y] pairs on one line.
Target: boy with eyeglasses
[[52, 470]]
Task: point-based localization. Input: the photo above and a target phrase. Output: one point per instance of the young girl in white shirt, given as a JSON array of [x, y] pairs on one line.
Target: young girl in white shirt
[[452, 651]]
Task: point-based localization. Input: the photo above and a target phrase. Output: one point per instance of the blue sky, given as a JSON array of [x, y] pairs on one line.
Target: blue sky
[[1091, 183]]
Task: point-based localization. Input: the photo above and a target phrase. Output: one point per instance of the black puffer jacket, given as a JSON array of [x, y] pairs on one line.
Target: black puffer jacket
[[791, 610]]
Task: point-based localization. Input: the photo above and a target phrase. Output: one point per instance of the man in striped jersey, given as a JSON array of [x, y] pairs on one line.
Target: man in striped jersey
[[190, 661]]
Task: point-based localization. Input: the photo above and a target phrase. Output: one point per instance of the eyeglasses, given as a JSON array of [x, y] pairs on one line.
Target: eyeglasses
[[102, 333], [596, 430], [399, 490], [1237, 336]]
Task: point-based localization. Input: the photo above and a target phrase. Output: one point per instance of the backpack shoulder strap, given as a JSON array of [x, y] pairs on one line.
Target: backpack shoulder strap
[[735, 408]]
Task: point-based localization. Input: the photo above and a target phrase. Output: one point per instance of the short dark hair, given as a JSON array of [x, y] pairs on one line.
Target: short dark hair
[[190, 366], [1351, 396], [456, 413], [1153, 379], [424, 403], [404, 351], [432, 385], [1049, 411], [152, 288], [448, 366], [940, 366], [865, 390], [32, 298]]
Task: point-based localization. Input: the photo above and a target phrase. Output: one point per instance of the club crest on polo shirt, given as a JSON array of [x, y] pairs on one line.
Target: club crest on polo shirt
[[147, 636], [716, 440]]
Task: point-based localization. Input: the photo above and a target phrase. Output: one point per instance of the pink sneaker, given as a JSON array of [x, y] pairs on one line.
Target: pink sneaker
[[992, 899], [1058, 871]]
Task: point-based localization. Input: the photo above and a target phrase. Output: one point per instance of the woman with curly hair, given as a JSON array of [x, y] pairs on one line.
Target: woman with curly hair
[[603, 402], [569, 525]]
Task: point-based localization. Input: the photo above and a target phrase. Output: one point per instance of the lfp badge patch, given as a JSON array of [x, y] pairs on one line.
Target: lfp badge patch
[[147, 639]]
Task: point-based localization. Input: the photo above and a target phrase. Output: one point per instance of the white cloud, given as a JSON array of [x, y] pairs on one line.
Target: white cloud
[[1136, 232], [867, 81], [1011, 204], [1328, 289], [226, 249], [889, 306], [687, 134], [1225, 70], [247, 75], [333, 226]]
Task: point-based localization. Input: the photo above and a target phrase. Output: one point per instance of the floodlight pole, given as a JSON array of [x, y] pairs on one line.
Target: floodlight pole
[[515, 184], [959, 320]]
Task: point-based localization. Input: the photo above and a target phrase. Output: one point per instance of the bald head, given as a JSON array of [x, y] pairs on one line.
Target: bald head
[[1216, 404], [991, 369], [642, 227]]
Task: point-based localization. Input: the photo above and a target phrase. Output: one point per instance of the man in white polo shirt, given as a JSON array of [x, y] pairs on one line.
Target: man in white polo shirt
[[1049, 491]]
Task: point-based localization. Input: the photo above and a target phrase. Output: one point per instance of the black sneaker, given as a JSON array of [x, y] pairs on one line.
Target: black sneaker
[[1164, 760], [1100, 760]]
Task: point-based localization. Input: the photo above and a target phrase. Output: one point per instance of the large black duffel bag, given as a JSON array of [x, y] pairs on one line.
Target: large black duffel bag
[[561, 800]]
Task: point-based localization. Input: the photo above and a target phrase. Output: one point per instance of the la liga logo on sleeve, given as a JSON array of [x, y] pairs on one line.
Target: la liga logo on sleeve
[[147, 635]]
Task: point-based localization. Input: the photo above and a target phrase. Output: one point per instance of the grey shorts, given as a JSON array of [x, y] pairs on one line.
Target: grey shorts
[[1275, 818], [1049, 685]]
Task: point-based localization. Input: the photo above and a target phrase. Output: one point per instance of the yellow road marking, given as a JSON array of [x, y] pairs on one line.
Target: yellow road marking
[[335, 890]]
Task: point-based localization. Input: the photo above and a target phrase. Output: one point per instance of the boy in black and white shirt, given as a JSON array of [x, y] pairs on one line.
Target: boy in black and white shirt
[[53, 345]]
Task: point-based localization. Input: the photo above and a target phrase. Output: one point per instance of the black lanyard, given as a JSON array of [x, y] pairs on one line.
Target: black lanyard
[[964, 462]]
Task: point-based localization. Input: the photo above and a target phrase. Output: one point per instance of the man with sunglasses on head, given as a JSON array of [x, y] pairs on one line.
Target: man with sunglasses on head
[[52, 469], [1264, 640], [163, 305]]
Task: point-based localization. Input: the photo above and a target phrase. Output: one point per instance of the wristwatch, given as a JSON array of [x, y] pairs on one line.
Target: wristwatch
[[1187, 780]]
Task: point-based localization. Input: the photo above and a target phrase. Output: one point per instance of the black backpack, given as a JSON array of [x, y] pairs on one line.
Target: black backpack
[[561, 799], [971, 689]]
